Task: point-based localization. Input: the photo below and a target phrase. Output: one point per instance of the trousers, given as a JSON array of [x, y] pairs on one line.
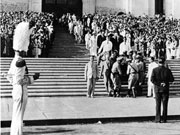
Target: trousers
[[91, 86], [20, 97]]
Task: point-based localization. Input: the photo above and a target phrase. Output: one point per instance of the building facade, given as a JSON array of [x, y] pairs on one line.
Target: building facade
[[136, 7]]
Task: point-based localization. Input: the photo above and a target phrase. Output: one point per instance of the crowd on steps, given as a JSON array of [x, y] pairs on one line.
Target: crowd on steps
[[42, 36], [121, 43], [151, 36]]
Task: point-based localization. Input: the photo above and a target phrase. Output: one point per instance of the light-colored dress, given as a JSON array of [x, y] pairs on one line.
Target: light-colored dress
[[93, 46]]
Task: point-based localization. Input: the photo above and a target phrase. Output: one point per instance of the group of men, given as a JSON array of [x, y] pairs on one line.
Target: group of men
[[159, 77]]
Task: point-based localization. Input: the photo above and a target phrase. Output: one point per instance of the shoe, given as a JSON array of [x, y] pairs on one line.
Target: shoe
[[109, 94], [133, 92], [163, 121], [157, 121]]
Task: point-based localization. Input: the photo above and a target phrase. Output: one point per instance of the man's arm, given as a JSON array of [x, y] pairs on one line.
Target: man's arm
[[153, 77], [171, 77], [100, 49], [119, 70]]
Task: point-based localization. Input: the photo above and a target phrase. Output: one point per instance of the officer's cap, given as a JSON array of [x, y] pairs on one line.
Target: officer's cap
[[138, 57], [119, 58], [161, 60]]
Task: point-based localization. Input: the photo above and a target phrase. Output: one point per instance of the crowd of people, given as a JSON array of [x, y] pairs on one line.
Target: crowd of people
[[152, 36], [122, 42], [42, 34]]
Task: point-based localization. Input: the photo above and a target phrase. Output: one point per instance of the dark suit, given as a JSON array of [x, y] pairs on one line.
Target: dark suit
[[161, 75]]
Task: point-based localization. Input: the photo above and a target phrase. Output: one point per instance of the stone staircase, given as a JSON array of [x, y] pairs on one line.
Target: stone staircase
[[65, 77], [66, 47], [62, 74]]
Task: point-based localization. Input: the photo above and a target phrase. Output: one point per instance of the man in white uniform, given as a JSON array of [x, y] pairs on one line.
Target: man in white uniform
[[151, 66], [18, 76]]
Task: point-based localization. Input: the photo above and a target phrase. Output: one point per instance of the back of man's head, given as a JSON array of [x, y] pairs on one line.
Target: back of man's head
[[161, 60]]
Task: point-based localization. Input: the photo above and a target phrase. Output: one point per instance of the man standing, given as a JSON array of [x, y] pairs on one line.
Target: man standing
[[106, 47], [132, 71], [91, 75], [141, 73], [161, 76], [106, 72], [100, 38], [18, 76], [151, 66], [116, 73]]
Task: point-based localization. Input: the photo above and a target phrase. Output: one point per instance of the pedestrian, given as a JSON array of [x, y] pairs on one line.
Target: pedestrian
[[132, 71], [151, 66], [161, 76], [141, 72], [91, 75], [116, 75], [106, 73], [93, 45], [106, 47], [18, 76]]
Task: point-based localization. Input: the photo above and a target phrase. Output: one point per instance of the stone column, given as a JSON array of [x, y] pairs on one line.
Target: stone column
[[89, 6]]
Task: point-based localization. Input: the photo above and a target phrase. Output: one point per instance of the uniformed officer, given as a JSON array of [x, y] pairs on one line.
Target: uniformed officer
[[115, 76], [18, 76], [132, 71], [161, 76]]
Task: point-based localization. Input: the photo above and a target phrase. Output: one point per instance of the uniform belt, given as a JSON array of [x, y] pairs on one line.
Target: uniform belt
[[133, 73], [115, 73]]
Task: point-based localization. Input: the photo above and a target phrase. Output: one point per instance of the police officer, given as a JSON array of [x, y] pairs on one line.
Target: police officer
[[116, 73], [161, 76], [132, 71]]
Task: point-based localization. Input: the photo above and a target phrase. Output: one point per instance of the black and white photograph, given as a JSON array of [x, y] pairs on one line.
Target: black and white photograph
[[90, 67]]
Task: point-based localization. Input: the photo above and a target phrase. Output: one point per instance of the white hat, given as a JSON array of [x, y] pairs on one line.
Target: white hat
[[21, 37]]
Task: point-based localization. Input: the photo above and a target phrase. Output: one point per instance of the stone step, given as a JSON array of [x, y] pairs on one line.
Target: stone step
[[71, 94]]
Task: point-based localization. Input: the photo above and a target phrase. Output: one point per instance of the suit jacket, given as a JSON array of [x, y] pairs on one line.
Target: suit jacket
[[161, 74], [91, 70]]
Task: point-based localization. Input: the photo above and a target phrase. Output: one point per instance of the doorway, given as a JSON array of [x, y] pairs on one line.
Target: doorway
[[60, 7], [159, 7]]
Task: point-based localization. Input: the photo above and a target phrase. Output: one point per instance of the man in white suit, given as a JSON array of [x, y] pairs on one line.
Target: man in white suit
[[151, 66], [91, 75]]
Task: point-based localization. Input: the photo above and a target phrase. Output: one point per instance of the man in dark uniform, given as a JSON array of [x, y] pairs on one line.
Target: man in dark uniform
[[161, 76], [115, 76]]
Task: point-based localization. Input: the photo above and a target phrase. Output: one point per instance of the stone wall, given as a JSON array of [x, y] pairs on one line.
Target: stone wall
[[110, 7], [88, 6], [14, 5]]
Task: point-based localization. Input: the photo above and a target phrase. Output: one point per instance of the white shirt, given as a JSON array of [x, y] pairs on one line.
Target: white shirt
[[151, 66], [124, 47], [106, 46]]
